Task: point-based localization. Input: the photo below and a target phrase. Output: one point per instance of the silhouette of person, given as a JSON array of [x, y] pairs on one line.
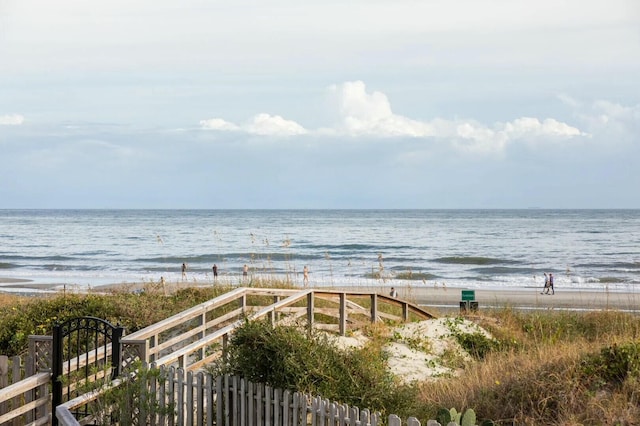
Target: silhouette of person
[[215, 271], [184, 271], [545, 289], [305, 275], [393, 292], [245, 270]]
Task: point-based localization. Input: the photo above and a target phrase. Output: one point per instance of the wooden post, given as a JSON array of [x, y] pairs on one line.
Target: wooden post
[[343, 314], [310, 309], [374, 307]]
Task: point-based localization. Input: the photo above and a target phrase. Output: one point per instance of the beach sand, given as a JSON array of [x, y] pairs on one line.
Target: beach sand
[[526, 298], [440, 298]]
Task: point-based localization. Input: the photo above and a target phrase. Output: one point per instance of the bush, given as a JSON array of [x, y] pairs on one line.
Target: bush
[[612, 365], [287, 358]]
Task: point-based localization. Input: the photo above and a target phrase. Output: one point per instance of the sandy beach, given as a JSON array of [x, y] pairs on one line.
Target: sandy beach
[[440, 298], [526, 298], [531, 298]]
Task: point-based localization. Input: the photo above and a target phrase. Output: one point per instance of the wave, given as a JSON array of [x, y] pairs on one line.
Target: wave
[[612, 265], [55, 258], [473, 260], [7, 265], [219, 257], [357, 247], [492, 270]]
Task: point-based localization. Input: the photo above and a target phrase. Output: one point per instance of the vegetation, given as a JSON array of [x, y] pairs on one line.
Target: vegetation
[[544, 367], [288, 358], [23, 316]]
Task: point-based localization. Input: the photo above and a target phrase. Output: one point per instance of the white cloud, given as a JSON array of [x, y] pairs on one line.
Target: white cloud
[[369, 114], [262, 124], [529, 126], [608, 120], [274, 125], [218, 124], [11, 120]]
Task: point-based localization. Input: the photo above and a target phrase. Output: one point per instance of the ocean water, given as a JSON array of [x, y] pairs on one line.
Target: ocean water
[[584, 249]]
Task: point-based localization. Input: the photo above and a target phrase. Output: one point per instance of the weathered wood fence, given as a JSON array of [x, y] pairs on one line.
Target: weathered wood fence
[[176, 397], [24, 385]]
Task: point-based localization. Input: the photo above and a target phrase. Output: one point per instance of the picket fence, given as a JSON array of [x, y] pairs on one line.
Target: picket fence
[[201, 399]]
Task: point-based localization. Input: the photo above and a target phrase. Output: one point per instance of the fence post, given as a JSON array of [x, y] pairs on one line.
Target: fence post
[[4, 379], [374, 307], [343, 314], [310, 311]]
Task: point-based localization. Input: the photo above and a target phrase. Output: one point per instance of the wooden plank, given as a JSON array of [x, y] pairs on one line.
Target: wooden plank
[[171, 393], [180, 405], [19, 411], [268, 404], [200, 398], [189, 398], [243, 402]]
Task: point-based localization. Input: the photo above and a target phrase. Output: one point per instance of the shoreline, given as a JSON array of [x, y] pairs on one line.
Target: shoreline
[[441, 298]]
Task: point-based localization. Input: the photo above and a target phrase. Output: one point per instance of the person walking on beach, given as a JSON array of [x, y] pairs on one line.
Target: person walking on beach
[[184, 271], [545, 289], [393, 292], [553, 291], [215, 271], [305, 276], [245, 270]]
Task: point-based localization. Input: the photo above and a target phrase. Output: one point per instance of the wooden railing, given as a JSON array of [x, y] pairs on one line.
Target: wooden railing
[[28, 398], [197, 336]]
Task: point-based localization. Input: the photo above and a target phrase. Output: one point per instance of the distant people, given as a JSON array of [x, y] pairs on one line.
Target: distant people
[[393, 292], [305, 275], [545, 289], [215, 271], [184, 271], [162, 281], [553, 291], [245, 270]]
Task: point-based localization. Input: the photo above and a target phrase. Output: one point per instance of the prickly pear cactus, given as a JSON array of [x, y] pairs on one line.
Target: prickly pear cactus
[[469, 418]]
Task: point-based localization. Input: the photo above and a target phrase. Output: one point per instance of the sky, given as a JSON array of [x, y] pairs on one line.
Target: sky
[[356, 104]]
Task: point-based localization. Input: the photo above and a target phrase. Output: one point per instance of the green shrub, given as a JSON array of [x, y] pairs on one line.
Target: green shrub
[[612, 365], [287, 358]]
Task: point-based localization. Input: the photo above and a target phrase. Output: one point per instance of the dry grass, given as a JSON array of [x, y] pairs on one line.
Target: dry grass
[[11, 300], [538, 376]]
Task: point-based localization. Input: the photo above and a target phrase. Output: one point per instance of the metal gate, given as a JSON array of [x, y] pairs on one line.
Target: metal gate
[[86, 352]]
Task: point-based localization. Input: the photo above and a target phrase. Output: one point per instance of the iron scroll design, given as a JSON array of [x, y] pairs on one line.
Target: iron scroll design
[[85, 349]]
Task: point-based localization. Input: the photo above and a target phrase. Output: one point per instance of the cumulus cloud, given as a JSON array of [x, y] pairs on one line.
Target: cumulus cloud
[[218, 124], [274, 125], [369, 114], [11, 120], [606, 119], [262, 124]]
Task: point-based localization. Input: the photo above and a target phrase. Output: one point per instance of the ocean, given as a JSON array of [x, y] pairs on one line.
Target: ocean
[[497, 249]]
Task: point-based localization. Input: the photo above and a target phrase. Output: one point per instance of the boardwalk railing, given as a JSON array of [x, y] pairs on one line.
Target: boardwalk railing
[[199, 335]]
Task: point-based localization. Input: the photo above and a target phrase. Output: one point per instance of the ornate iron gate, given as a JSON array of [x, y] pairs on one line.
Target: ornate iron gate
[[86, 350]]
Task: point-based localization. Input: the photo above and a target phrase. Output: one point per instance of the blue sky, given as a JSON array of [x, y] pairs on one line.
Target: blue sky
[[320, 104]]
